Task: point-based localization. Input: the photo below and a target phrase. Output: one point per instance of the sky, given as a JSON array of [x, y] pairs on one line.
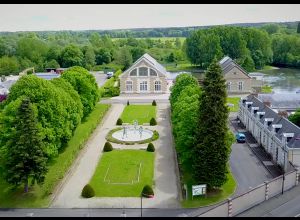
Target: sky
[[42, 17]]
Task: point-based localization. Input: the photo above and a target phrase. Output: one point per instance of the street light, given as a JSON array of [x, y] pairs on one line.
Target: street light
[[141, 204]]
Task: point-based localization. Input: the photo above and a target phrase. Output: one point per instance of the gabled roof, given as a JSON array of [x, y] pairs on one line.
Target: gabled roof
[[287, 126], [227, 64], [147, 58]]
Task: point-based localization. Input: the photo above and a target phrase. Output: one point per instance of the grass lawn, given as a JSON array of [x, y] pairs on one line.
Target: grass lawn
[[141, 113], [235, 101], [123, 173], [266, 89], [38, 196]]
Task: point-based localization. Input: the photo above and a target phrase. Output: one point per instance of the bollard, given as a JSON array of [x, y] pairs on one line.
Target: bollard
[[229, 207], [266, 190]]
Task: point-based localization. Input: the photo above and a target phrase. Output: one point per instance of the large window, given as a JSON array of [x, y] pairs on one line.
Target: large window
[[240, 86], [143, 71], [153, 72], [143, 86], [133, 72], [157, 86], [129, 86], [229, 86]]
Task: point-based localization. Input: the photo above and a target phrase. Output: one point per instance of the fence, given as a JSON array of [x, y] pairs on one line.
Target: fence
[[259, 194]]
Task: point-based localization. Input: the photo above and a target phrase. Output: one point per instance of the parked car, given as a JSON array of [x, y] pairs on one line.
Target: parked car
[[240, 138], [109, 74]]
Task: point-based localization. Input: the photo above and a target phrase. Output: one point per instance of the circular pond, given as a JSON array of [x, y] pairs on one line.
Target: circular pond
[[132, 135]]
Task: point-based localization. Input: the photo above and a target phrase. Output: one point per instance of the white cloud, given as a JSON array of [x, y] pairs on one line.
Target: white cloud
[[83, 17]]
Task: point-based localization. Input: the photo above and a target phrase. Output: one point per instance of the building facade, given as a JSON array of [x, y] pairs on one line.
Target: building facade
[[279, 137], [146, 75]]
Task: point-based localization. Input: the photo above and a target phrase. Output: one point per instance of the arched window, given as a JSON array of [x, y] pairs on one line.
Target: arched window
[[143, 71], [157, 86], [153, 72], [129, 86], [133, 72]]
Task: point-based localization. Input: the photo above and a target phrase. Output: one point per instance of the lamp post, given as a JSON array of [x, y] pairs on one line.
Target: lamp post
[[141, 204]]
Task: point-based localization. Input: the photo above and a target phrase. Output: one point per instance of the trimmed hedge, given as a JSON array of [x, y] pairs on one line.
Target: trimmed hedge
[[87, 191], [147, 191], [107, 147], [154, 103], [119, 121], [127, 102], [108, 89], [153, 122], [150, 147]]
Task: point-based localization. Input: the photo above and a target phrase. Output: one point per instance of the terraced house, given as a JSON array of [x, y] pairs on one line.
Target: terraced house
[[146, 75], [279, 137]]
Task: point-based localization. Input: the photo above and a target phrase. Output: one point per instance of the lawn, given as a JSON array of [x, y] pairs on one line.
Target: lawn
[[266, 89], [39, 196], [123, 173], [141, 113], [235, 101]]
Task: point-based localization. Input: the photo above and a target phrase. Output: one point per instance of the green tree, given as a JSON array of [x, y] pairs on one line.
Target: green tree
[[89, 58], [178, 43], [211, 151], [298, 28], [71, 55], [9, 65], [248, 64], [124, 57], [103, 56], [24, 156], [171, 58], [52, 64], [136, 53], [295, 118]]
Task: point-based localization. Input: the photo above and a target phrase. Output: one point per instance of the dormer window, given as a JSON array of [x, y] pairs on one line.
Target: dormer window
[[260, 114], [268, 121], [276, 127], [288, 136]]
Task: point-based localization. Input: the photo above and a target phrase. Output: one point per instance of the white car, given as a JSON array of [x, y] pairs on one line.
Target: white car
[[109, 74]]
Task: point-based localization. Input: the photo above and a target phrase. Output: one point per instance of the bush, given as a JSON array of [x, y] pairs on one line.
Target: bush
[[87, 191], [127, 102], [154, 103], [153, 122], [150, 147], [119, 121], [107, 147], [147, 191]]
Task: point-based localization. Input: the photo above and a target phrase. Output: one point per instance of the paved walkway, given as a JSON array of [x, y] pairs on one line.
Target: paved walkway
[[166, 190]]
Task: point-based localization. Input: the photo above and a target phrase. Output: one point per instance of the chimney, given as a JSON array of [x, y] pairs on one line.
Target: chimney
[[283, 114], [267, 103]]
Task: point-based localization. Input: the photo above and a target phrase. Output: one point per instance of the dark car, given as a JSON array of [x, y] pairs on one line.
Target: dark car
[[240, 138]]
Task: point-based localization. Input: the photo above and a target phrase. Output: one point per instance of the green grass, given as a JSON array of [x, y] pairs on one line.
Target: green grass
[[39, 195], [235, 101], [181, 66], [141, 113], [213, 197], [122, 166], [266, 89]]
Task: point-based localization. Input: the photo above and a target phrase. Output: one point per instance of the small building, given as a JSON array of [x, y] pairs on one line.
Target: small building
[[275, 133], [237, 79], [55, 70], [145, 75]]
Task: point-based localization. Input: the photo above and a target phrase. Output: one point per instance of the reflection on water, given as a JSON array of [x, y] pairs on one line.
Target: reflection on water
[[283, 80]]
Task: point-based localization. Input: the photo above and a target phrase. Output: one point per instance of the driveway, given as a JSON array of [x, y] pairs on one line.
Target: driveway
[[165, 177], [100, 77]]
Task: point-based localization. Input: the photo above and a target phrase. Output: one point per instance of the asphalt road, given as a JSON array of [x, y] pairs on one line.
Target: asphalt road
[[100, 77]]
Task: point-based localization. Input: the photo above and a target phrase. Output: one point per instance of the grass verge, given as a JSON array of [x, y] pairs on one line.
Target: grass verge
[[235, 102], [141, 113]]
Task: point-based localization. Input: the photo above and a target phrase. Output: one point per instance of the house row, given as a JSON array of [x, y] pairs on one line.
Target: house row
[[275, 133]]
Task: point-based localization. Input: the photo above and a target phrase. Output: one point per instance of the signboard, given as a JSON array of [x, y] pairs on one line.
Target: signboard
[[199, 190]]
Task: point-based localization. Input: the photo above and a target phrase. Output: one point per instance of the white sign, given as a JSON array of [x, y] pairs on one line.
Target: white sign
[[199, 190]]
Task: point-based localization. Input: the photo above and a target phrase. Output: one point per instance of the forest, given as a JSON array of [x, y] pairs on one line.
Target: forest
[[251, 45]]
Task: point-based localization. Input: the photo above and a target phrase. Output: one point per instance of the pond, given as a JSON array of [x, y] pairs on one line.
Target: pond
[[282, 80]]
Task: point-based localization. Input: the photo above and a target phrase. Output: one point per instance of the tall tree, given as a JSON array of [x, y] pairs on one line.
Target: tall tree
[[124, 57], [295, 118], [71, 56], [89, 58], [25, 158], [298, 28], [211, 150]]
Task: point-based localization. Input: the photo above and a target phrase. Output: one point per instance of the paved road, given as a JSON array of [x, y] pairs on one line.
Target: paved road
[[286, 205], [100, 77]]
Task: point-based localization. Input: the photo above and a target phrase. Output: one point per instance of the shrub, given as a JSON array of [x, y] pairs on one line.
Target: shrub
[[107, 147], [150, 147], [119, 121], [153, 122], [147, 191], [87, 191], [127, 102], [154, 103]]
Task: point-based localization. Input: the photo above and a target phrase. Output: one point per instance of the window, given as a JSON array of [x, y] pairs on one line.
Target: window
[[128, 85], [153, 72], [157, 86], [143, 71], [143, 86], [229, 86], [133, 73], [241, 85]]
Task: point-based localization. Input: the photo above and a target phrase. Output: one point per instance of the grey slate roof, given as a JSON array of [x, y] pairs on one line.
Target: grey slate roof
[[287, 126], [227, 64], [281, 101]]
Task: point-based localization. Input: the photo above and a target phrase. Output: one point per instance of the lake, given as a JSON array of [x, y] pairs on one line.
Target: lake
[[283, 80]]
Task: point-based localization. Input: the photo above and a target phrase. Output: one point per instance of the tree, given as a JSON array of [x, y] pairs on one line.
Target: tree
[[124, 57], [211, 151], [52, 64], [103, 56], [136, 53], [295, 118], [178, 43], [71, 56], [248, 64], [171, 58], [298, 28], [25, 159], [89, 58], [9, 65]]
